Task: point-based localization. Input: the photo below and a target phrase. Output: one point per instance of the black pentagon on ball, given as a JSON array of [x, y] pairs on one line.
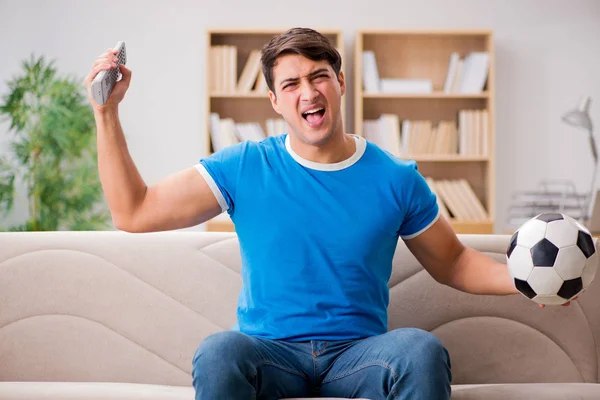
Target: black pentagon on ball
[[524, 288], [544, 253], [570, 288], [513, 244], [585, 243], [549, 217]]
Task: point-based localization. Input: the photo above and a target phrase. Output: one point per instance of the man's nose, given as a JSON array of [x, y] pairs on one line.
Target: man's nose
[[308, 92]]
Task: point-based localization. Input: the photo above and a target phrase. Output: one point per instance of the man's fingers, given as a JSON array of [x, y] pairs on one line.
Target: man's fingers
[[103, 61], [108, 55], [125, 71], [96, 69], [567, 304], [100, 67]]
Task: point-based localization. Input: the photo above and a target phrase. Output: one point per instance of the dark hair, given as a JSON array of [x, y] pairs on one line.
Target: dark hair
[[303, 41]]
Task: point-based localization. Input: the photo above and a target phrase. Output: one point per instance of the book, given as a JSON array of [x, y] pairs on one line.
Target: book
[[398, 85], [250, 72], [475, 72], [452, 67], [371, 82]]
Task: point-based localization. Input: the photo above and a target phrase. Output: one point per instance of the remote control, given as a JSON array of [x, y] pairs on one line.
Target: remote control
[[103, 83]]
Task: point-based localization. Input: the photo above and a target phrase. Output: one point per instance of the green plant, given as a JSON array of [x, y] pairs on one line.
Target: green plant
[[53, 151]]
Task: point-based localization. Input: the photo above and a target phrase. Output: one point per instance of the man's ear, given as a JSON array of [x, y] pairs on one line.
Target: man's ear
[[342, 82], [274, 104]]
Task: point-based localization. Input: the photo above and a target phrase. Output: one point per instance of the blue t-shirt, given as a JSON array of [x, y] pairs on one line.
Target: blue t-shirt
[[317, 240]]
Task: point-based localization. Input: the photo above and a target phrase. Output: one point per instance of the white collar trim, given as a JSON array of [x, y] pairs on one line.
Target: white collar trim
[[361, 145]]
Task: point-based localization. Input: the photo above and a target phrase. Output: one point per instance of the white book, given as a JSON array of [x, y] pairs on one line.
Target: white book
[[432, 184], [464, 73], [389, 133], [215, 132], [275, 126], [228, 132], [222, 67], [452, 70], [458, 74], [217, 69], [261, 83], [406, 136], [258, 134], [371, 131], [271, 129], [397, 85], [232, 69], [250, 72], [476, 72], [213, 73], [371, 83], [367, 129], [248, 131], [485, 132], [462, 133]]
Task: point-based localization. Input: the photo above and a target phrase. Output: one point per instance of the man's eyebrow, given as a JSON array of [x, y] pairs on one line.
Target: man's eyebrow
[[315, 72]]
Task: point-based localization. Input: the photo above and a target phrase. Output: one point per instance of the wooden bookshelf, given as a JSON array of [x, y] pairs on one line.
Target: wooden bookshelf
[[425, 55], [434, 95], [244, 106]]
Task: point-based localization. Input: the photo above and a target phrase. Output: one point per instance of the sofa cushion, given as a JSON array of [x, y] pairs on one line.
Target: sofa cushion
[[130, 391], [92, 391], [97, 391], [527, 391]]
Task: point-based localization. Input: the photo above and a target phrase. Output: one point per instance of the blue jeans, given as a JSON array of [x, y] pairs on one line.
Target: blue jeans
[[405, 363]]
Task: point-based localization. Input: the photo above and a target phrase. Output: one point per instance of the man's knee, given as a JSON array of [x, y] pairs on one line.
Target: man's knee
[[226, 347], [423, 348], [222, 364]]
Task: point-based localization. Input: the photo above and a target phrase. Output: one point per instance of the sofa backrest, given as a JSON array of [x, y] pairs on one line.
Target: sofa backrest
[[118, 307]]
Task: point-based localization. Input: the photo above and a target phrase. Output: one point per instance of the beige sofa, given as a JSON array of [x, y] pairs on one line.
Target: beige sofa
[[112, 315]]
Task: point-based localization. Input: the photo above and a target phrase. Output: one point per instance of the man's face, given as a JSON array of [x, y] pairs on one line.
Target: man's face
[[308, 96]]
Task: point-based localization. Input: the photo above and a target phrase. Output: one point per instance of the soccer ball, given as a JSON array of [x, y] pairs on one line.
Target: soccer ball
[[552, 258]]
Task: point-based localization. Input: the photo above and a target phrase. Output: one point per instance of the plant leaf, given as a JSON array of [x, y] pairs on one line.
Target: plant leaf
[[54, 145]]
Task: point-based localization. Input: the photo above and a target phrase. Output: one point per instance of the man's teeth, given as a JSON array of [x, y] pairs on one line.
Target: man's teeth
[[314, 110]]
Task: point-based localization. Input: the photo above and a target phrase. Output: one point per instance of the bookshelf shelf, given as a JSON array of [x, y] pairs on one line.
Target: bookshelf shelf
[[479, 227], [428, 95], [225, 225], [239, 96], [434, 95], [446, 158], [228, 52]]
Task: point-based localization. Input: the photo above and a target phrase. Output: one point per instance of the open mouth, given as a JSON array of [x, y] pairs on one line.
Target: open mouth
[[314, 116]]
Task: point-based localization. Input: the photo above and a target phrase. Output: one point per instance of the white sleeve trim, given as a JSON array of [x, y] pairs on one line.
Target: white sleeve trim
[[213, 186], [422, 230]]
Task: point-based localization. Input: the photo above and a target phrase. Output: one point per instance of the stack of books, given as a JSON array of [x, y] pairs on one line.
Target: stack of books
[[466, 75]]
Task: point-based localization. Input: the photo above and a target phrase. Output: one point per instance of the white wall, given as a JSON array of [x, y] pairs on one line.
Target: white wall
[[548, 55]]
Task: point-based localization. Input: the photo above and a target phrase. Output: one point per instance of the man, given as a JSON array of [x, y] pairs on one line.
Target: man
[[318, 213]]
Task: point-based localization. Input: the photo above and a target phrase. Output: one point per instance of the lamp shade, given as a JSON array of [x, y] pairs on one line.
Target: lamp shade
[[580, 117]]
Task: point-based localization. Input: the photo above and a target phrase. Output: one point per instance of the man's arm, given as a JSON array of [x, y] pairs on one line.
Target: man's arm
[[179, 201], [451, 263]]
